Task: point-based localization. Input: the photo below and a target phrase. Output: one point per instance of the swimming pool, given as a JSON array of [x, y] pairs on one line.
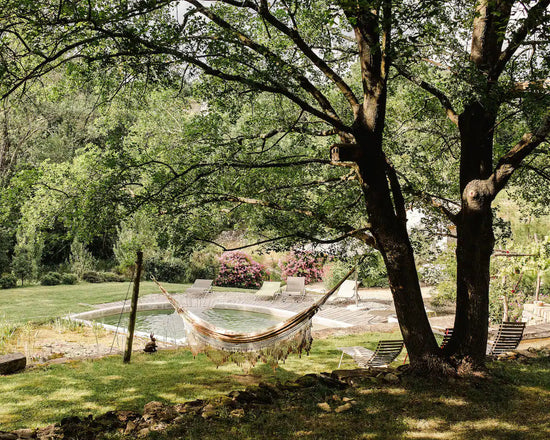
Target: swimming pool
[[168, 324]]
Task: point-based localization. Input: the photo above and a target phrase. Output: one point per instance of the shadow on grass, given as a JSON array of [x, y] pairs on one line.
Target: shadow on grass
[[417, 409], [512, 404]]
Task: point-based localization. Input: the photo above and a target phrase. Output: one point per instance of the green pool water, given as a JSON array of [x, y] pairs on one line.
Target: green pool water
[[167, 323]]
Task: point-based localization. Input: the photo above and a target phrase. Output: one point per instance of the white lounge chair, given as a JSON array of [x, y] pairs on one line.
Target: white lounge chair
[[295, 286], [346, 292], [200, 286], [269, 290], [384, 354]]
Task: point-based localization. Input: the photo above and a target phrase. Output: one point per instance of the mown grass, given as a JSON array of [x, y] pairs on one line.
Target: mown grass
[[46, 394], [512, 404], [43, 303]]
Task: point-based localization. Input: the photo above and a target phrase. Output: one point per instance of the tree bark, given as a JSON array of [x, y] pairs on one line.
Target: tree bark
[[475, 238]]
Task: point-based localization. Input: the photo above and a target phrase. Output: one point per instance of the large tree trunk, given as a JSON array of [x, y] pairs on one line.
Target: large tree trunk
[[383, 199], [475, 239], [474, 249], [386, 212]]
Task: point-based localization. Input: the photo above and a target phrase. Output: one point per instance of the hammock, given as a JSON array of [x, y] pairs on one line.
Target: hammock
[[270, 346]]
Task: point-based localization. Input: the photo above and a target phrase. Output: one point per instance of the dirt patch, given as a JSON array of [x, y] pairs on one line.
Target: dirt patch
[[53, 343]]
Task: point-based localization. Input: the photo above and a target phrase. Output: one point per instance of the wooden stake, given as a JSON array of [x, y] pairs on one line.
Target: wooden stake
[[133, 308]]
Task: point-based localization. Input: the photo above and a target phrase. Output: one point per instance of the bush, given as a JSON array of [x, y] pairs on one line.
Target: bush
[[303, 264], [8, 281], [335, 271], [172, 270], [102, 277], [92, 277], [111, 277], [372, 271], [203, 264], [239, 270], [69, 278], [51, 279]]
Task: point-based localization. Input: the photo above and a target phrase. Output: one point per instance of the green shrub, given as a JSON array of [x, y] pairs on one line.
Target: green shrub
[[170, 270], [51, 279], [69, 278], [92, 277], [372, 271], [8, 281], [102, 277], [203, 264], [111, 277], [335, 271]]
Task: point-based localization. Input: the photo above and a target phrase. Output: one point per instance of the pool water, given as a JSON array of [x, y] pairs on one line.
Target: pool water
[[159, 322], [168, 323], [239, 320]]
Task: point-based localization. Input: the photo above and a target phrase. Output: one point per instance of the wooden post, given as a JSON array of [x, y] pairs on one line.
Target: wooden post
[[133, 308]]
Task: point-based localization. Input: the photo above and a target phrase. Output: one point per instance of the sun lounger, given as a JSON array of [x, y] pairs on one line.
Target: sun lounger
[[201, 287], [346, 292], [508, 338], [384, 354], [296, 287], [269, 290]]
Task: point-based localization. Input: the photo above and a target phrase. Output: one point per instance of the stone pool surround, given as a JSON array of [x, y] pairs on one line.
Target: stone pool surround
[[87, 318]]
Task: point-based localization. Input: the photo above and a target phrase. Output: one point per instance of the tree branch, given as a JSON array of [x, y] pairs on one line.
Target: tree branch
[[264, 12], [443, 99], [512, 160], [534, 18], [269, 55]]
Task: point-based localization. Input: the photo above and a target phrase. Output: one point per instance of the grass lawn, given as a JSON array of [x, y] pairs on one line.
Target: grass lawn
[[46, 394], [512, 404], [42, 303]]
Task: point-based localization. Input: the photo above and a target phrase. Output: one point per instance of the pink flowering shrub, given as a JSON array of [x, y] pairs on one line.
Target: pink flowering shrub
[[239, 270], [303, 264]]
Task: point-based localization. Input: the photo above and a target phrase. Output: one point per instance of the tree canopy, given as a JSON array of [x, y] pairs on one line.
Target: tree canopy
[[315, 120]]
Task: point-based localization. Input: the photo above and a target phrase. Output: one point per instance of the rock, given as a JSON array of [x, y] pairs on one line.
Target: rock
[[260, 395], [208, 411], [47, 432], [273, 390], [131, 426], [225, 401], [529, 353], [308, 381], [124, 416], [158, 411], [193, 406], [324, 406], [7, 436], [391, 378], [12, 363], [24, 433], [179, 420], [344, 407], [143, 432], [242, 397]]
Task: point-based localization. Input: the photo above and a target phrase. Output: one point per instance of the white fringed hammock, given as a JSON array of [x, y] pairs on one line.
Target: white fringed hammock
[[271, 345]]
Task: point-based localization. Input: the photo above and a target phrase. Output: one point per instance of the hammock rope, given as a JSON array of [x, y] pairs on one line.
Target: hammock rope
[[270, 345]]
